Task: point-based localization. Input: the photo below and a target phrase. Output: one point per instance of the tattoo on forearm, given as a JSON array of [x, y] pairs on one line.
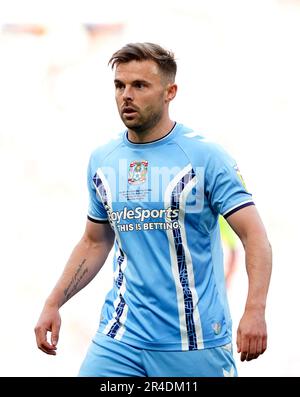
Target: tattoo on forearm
[[78, 276]]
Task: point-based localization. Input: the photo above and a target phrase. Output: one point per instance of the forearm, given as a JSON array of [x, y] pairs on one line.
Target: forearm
[[252, 330], [84, 263], [259, 266]]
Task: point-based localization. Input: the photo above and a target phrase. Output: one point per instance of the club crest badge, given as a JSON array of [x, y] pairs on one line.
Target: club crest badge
[[217, 328], [137, 172]]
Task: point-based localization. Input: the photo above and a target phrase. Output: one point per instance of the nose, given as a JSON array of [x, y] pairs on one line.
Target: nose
[[127, 93]]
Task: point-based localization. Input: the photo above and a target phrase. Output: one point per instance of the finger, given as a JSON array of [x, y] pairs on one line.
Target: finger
[[238, 342], [250, 356], [259, 347], [251, 353], [254, 356], [41, 340], [49, 352], [244, 347], [264, 344], [40, 335], [47, 348], [252, 346]]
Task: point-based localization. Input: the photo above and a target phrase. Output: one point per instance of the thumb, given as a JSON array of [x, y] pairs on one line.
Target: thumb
[[55, 335]]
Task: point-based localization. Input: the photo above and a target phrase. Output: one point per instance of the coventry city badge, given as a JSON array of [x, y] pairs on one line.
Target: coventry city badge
[[137, 172]]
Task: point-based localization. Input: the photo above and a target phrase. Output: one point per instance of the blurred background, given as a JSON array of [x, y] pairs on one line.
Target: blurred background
[[239, 84]]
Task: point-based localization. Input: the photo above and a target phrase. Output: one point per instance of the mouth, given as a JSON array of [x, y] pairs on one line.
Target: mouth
[[128, 111]]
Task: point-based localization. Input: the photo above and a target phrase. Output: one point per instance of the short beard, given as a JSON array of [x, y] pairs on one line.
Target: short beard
[[147, 125]]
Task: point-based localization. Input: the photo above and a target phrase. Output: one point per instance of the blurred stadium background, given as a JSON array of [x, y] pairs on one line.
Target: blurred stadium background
[[239, 84]]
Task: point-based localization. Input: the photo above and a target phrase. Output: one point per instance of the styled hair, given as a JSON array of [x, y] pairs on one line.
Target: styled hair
[[146, 51]]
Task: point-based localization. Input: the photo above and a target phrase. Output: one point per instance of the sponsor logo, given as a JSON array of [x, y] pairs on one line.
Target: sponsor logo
[[141, 214], [142, 219], [236, 168]]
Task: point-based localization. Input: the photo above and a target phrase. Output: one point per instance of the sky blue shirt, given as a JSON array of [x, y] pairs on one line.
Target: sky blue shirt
[[163, 200]]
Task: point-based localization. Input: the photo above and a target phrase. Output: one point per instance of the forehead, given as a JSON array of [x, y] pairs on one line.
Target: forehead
[[137, 70]]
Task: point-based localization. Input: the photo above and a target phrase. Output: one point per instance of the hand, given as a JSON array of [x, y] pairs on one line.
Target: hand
[[252, 335], [49, 321]]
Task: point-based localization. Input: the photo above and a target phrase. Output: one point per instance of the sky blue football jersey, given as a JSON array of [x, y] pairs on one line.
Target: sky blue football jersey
[[163, 200]]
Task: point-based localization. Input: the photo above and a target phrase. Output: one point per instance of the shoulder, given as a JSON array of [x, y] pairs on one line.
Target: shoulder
[[197, 146], [104, 150]]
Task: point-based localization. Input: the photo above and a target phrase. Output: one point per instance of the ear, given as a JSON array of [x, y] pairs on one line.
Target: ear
[[171, 91]]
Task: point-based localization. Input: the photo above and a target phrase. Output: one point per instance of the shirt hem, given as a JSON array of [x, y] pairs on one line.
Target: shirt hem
[[173, 346], [237, 208], [97, 220]]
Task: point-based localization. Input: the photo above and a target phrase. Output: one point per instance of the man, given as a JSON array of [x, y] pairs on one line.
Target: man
[[156, 193]]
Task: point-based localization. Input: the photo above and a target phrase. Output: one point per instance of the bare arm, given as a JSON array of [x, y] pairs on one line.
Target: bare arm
[[84, 263], [252, 330]]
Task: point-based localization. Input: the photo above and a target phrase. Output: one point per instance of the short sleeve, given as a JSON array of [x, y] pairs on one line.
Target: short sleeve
[[225, 188], [96, 210]]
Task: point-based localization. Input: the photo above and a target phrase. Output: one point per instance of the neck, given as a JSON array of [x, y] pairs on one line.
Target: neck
[[152, 134]]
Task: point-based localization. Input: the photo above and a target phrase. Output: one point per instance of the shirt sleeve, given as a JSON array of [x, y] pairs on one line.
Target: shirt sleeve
[[225, 187], [96, 211]]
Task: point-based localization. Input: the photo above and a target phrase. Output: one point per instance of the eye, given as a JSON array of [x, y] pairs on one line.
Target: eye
[[119, 85], [139, 84]]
